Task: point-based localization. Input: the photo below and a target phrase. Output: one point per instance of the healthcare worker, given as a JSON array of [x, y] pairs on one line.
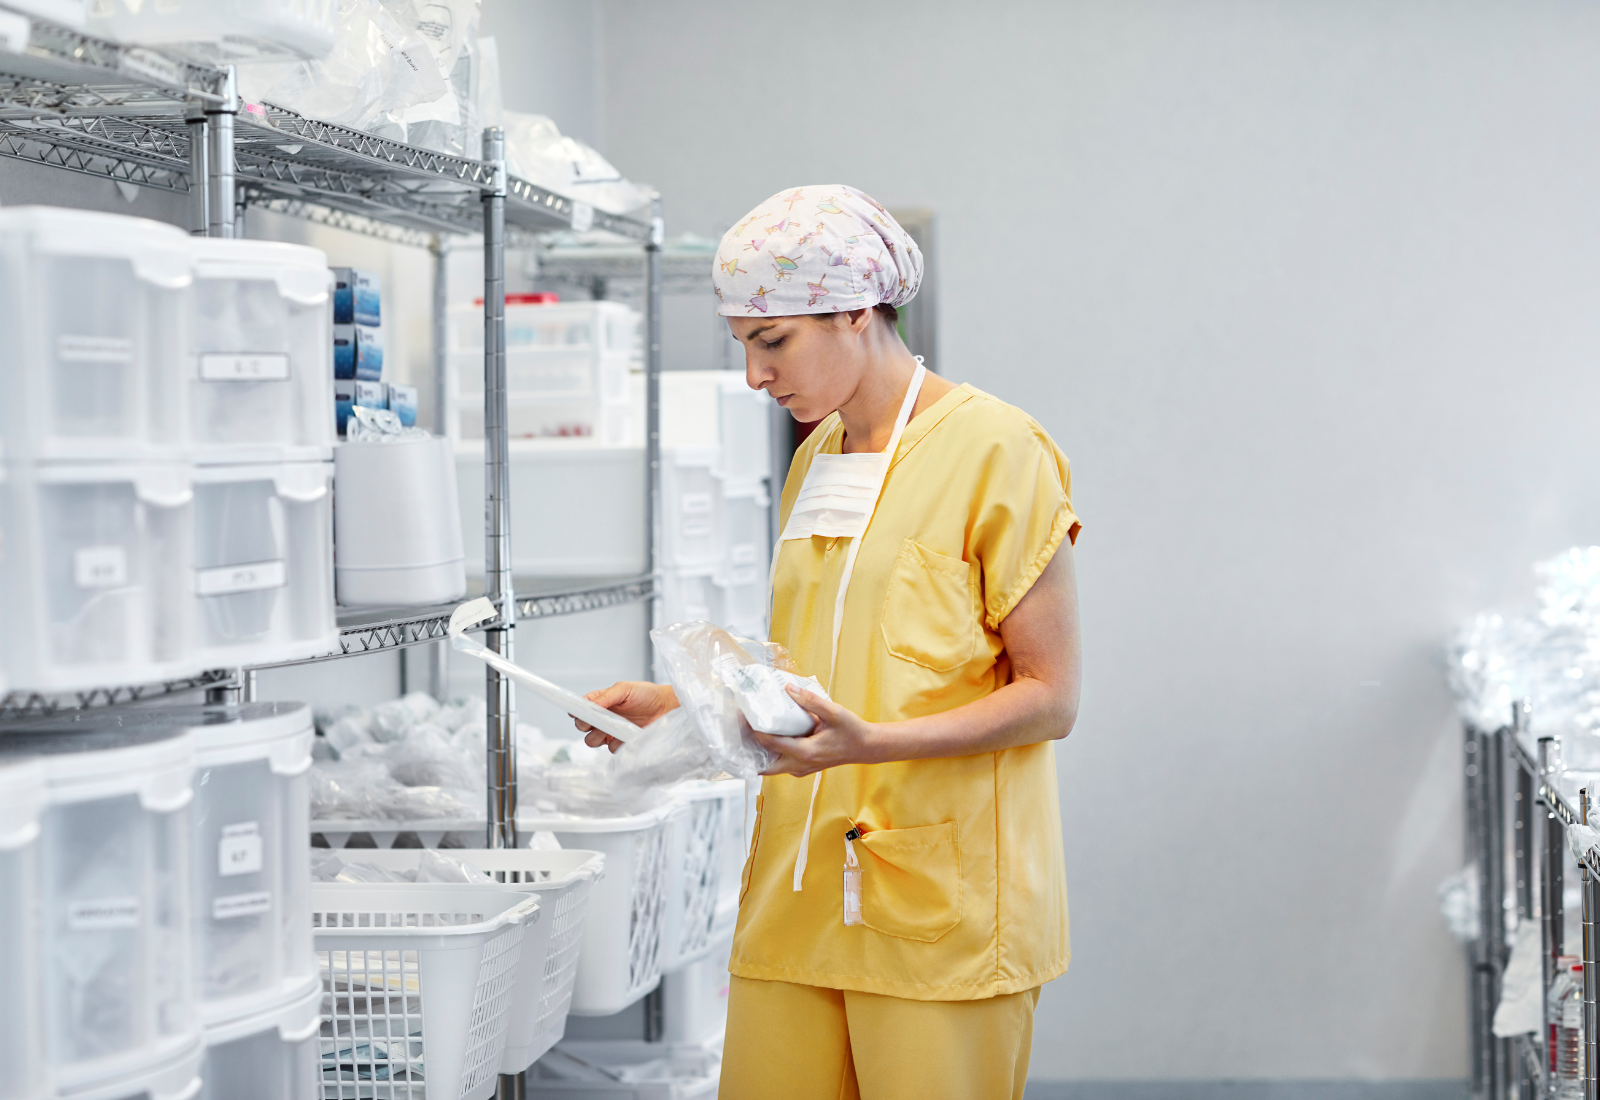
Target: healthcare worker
[[904, 897]]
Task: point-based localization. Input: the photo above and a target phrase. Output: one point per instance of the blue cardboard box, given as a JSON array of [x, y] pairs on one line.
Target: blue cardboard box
[[403, 403], [355, 297], [348, 392], [358, 352]]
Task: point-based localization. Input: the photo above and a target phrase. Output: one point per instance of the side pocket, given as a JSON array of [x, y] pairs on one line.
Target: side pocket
[[911, 881], [750, 860], [930, 612]]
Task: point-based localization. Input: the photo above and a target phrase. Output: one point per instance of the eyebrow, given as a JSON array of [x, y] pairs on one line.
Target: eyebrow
[[753, 333]]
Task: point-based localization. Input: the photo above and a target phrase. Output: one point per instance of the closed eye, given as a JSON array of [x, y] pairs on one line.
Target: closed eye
[[774, 343]]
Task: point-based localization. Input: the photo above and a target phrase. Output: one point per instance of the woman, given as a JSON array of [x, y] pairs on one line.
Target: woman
[[904, 897]]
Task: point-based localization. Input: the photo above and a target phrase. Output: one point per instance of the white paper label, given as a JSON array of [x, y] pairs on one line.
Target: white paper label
[[241, 905], [226, 579], [582, 217], [244, 367], [239, 852], [94, 349], [100, 567], [103, 914]]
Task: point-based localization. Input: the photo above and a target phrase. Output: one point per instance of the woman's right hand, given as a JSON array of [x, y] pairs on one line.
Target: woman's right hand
[[639, 701]]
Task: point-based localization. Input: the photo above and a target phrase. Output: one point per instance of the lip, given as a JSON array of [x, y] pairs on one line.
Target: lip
[[785, 399]]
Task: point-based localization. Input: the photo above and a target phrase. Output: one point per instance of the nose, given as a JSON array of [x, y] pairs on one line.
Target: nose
[[754, 375]]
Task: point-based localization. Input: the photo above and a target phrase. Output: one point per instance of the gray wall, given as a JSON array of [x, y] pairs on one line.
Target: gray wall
[[1306, 292], [550, 61]]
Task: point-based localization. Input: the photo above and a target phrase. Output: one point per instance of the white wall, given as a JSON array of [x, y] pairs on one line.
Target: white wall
[[1307, 293], [549, 61]]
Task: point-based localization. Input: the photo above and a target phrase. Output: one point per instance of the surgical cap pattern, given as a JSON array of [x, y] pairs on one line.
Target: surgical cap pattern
[[818, 249]]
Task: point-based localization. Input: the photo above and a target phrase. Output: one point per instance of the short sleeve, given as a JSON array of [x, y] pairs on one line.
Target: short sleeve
[[1024, 510]]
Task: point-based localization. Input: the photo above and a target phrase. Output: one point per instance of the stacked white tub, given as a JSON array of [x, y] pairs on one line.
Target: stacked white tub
[[23, 1073], [167, 452]]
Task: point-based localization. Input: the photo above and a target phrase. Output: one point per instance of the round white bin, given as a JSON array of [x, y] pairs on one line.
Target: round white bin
[[397, 531], [117, 937], [273, 1055], [22, 1063]]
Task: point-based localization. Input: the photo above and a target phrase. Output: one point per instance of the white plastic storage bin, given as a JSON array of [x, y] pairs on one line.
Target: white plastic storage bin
[[222, 30], [261, 586], [22, 1061], [625, 1069], [695, 997], [620, 960], [271, 1055], [693, 521], [68, 13], [261, 338], [93, 573], [562, 882], [745, 425], [175, 1076], [413, 977], [577, 509], [697, 841], [94, 308], [397, 524], [743, 574], [118, 940]]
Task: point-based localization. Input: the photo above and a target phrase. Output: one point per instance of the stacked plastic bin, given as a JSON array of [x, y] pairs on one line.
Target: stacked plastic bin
[[167, 452], [716, 512]]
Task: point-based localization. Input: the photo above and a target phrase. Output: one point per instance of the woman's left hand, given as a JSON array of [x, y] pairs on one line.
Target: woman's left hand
[[838, 737]]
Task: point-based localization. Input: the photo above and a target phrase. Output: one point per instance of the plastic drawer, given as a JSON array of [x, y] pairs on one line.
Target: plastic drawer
[[22, 993], [272, 1055]]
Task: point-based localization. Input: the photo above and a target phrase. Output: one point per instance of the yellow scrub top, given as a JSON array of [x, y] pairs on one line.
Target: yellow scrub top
[[963, 884]]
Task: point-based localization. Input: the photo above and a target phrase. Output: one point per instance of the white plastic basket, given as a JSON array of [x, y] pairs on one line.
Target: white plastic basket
[[620, 960], [626, 1069], [413, 977], [430, 832], [562, 881], [697, 844]]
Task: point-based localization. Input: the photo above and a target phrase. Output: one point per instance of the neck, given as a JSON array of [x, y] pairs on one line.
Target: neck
[[870, 413]]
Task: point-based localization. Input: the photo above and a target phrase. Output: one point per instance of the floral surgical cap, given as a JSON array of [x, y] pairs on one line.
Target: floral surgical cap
[[818, 249]]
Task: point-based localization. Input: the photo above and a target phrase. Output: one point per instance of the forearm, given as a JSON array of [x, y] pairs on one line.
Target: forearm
[[1023, 712]]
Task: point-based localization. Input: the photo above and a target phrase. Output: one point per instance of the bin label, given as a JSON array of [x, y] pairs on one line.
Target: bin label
[[241, 905], [582, 217], [239, 852], [94, 349], [100, 567], [224, 580], [244, 367], [103, 914]]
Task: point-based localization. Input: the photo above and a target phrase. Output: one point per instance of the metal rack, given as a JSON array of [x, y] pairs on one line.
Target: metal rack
[[1517, 824], [136, 116]]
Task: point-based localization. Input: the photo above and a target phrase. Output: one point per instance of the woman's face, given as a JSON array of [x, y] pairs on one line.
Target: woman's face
[[810, 365]]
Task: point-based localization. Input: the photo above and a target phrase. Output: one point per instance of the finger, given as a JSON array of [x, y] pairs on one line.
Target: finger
[[583, 727], [814, 705], [612, 743], [594, 739]]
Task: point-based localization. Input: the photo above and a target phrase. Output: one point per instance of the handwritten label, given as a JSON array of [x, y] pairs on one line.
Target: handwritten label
[[239, 852], [94, 349], [103, 914], [241, 905], [224, 580], [100, 567], [244, 367]]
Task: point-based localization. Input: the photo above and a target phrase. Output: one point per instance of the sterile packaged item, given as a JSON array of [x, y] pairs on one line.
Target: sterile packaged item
[[356, 297], [402, 401], [358, 353], [349, 393], [221, 31], [397, 540], [760, 691], [115, 851], [263, 361], [94, 308], [22, 803], [450, 123]]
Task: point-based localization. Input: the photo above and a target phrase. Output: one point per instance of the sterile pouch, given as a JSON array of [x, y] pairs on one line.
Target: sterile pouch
[[759, 692]]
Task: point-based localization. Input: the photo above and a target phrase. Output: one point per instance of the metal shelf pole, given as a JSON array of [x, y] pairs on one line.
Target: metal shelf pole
[[497, 581], [1552, 882], [220, 213], [199, 172], [439, 652], [1591, 902], [652, 414]]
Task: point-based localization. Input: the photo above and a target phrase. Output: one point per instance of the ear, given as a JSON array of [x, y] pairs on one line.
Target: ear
[[858, 320]]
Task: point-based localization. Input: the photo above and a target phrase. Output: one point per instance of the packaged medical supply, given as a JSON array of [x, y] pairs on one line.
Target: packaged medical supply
[[358, 353], [221, 31], [356, 297], [402, 401]]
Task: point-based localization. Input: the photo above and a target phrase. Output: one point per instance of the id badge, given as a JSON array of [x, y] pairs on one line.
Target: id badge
[[852, 880]]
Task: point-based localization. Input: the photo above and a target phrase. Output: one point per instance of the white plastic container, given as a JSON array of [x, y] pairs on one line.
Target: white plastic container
[[627, 1069], [397, 524], [93, 574], [697, 842], [693, 520], [118, 941], [222, 30], [67, 13], [261, 581], [271, 1055], [691, 595], [413, 976], [22, 1062], [94, 308], [695, 997], [262, 369], [745, 423], [742, 576], [577, 509], [562, 881], [620, 960], [175, 1076]]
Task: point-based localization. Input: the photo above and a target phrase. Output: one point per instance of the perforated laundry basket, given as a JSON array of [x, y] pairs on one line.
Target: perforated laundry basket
[[562, 882], [697, 841], [620, 960], [417, 981]]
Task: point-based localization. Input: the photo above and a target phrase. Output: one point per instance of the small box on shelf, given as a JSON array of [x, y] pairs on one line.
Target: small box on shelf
[[358, 352], [356, 297]]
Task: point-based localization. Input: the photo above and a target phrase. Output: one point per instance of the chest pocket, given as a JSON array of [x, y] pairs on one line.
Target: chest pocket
[[930, 613]]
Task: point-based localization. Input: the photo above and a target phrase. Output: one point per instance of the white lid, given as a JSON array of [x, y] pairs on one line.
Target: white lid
[[295, 1019], [300, 271], [103, 754], [279, 733], [165, 484], [301, 482], [159, 252], [533, 820], [21, 800]]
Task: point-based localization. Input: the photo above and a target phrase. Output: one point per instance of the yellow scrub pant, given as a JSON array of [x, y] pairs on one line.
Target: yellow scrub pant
[[802, 1042]]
